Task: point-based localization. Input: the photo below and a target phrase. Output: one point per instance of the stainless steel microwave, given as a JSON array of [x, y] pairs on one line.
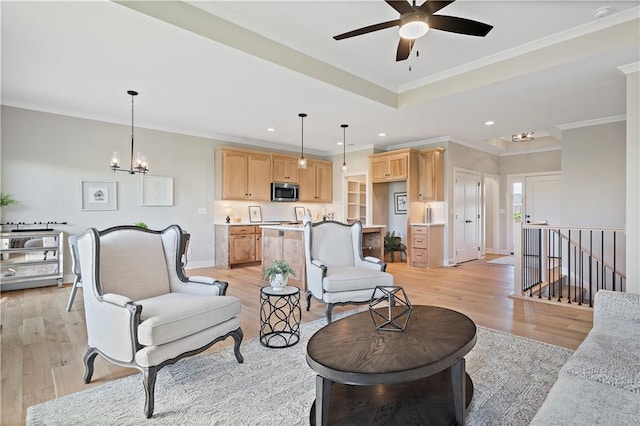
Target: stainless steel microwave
[[284, 191]]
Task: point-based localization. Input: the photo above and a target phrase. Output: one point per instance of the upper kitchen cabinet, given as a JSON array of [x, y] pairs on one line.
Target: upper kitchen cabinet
[[431, 177], [246, 175], [285, 169], [389, 167], [316, 182]]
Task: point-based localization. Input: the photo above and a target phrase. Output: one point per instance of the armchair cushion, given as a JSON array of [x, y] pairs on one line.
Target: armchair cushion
[[333, 245], [173, 316], [354, 278], [130, 264]]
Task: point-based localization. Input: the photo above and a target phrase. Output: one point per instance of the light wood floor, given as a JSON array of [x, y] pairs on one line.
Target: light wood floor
[[42, 345]]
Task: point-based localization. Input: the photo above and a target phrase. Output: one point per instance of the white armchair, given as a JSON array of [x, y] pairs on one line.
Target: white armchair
[[141, 309], [337, 273]]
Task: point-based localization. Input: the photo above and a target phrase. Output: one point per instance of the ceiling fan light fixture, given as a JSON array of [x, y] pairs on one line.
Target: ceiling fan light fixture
[[413, 29]]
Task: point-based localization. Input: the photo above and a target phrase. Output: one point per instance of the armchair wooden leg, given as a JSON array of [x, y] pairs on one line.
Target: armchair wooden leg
[[237, 337], [74, 289], [328, 311], [149, 380], [89, 357], [309, 300]]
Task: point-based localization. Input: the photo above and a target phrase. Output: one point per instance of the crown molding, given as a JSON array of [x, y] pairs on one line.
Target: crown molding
[[581, 30], [594, 122], [629, 68]]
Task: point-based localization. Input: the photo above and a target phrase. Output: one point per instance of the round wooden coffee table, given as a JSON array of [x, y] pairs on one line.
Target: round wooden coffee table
[[417, 376]]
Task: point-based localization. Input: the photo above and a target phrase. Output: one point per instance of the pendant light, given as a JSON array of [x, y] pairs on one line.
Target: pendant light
[[302, 162], [139, 165], [344, 146]]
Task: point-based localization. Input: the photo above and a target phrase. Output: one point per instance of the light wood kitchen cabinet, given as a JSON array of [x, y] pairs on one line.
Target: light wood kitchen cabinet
[[426, 243], [388, 167], [246, 175], [288, 245], [237, 244], [285, 169], [316, 182], [431, 173]]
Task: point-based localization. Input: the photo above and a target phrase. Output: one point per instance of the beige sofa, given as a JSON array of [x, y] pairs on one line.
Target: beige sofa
[[600, 384]]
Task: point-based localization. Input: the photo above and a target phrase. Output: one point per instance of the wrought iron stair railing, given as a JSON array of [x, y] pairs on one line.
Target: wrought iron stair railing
[[570, 264]]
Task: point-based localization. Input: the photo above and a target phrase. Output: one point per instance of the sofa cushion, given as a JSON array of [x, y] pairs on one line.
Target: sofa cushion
[[173, 316], [354, 278], [580, 402], [609, 355]]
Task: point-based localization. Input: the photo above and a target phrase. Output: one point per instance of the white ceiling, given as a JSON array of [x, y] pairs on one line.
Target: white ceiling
[[544, 65]]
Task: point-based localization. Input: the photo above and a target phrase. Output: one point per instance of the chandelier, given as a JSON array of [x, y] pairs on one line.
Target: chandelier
[[138, 164]]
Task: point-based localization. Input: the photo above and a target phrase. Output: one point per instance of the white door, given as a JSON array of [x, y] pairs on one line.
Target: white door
[[542, 199], [466, 206]]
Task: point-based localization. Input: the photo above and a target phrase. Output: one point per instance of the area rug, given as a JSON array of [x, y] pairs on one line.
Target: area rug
[[511, 375], [505, 260]]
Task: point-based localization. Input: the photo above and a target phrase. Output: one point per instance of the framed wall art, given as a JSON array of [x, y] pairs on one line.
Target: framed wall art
[[98, 195], [157, 191], [255, 214], [400, 202], [299, 213]]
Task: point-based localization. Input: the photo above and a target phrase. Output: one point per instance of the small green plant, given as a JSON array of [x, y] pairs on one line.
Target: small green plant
[[141, 225], [277, 267], [393, 243], [6, 199]]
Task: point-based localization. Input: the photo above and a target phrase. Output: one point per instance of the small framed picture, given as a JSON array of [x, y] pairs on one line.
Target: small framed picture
[[157, 190], [400, 205], [255, 214], [299, 213], [99, 195]]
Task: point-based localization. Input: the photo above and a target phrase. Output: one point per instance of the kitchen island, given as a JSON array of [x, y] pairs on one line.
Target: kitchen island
[[286, 242]]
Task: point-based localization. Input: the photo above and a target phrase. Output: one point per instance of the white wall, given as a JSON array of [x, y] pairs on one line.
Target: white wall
[[46, 156], [594, 176]]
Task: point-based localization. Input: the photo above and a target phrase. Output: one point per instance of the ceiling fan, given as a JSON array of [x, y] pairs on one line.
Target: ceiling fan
[[414, 22]]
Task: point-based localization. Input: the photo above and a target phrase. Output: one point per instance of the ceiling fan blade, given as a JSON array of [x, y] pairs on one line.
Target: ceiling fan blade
[[401, 6], [369, 29], [458, 25], [404, 49], [430, 7]]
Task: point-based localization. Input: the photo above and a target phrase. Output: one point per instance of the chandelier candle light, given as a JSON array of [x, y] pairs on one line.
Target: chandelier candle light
[[302, 162], [140, 165], [344, 144]]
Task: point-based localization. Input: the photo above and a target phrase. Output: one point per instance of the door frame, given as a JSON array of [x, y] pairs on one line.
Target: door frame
[[495, 217]]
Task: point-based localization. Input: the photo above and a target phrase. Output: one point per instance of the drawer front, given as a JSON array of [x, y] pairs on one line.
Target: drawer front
[[243, 229], [419, 255], [419, 241], [422, 230]]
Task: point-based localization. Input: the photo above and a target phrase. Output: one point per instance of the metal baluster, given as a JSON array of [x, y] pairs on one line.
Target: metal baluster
[[591, 293], [615, 248], [581, 298], [569, 268]]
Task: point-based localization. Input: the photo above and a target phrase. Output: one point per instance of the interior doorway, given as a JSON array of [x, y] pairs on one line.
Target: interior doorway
[[491, 207], [466, 209]]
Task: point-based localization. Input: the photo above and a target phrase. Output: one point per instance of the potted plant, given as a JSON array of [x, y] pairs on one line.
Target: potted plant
[[141, 225], [6, 199], [278, 273], [392, 245]]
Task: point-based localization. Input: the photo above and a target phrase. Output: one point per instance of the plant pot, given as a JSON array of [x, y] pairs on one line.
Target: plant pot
[[393, 256], [279, 282]]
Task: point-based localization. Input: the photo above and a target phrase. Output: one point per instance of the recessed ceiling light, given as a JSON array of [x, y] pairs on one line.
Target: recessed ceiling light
[[489, 123], [382, 134], [270, 129], [339, 143]]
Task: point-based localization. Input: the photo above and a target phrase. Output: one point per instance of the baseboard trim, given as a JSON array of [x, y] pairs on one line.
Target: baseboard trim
[[200, 264]]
